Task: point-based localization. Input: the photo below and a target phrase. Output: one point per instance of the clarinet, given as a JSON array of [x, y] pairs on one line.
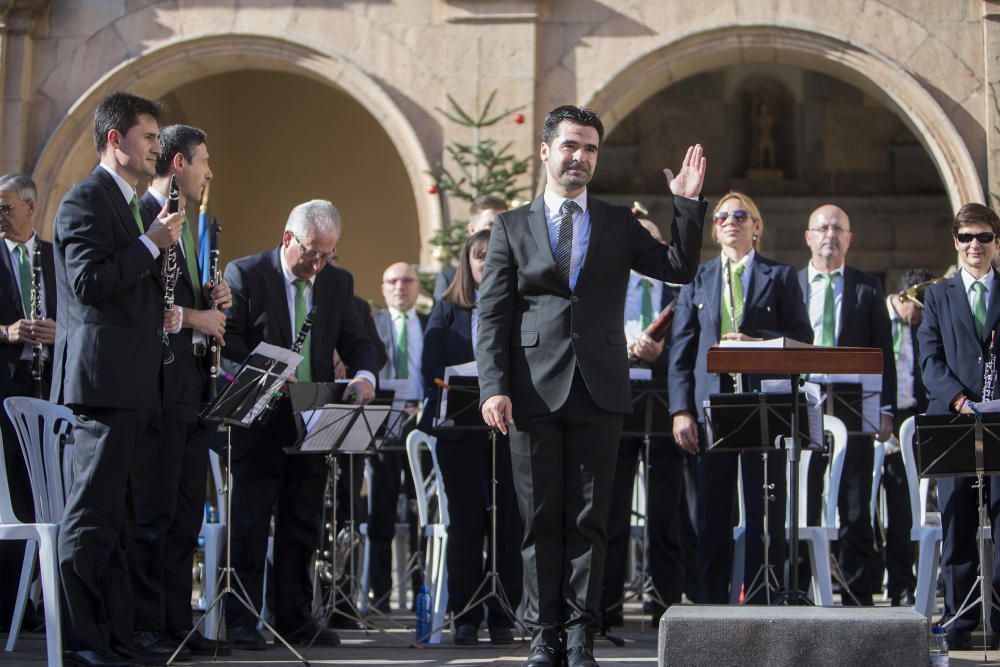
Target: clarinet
[[36, 314], [990, 370], [215, 350], [300, 340], [169, 267]]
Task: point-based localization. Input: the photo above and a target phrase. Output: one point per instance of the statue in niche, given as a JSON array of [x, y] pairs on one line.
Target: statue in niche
[[763, 146]]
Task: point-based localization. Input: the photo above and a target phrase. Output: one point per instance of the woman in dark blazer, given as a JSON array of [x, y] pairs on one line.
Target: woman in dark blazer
[[772, 307], [465, 459]]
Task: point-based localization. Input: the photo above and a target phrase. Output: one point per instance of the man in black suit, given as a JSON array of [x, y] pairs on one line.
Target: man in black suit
[[905, 313], [170, 499], [961, 315], [107, 369], [401, 332], [553, 365], [645, 298], [18, 197], [272, 293], [482, 213], [847, 309]]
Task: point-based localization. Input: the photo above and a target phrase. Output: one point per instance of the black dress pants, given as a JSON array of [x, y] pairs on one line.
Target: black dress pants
[[564, 467], [663, 517], [170, 506], [466, 469]]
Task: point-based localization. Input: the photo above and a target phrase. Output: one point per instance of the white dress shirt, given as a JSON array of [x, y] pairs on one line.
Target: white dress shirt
[[986, 280], [817, 297], [905, 395], [581, 229]]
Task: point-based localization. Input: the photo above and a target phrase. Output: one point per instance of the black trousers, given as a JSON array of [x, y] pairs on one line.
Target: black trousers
[[564, 467], [96, 528], [715, 478], [665, 558], [959, 503], [170, 506], [466, 469], [12, 551], [266, 481]]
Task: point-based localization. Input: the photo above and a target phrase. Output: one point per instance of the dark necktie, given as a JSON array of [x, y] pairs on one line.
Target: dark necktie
[[564, 241]]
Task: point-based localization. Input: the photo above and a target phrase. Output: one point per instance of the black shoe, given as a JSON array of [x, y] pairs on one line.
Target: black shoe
[[95, 659], [159, 643], [312, 634], [501, 635], [155, 655], [580, 656], [994, 641], [199, 644], [466, 635], [543, 656], [906, 599], [245, 638], [960, 640]]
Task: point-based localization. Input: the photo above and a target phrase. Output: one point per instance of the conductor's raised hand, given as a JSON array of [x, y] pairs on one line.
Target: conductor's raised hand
[[166, 229], [691, 176], [498, 412]]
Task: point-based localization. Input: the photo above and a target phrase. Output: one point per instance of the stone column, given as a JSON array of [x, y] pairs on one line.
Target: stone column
[[991, 51], [18, 22]]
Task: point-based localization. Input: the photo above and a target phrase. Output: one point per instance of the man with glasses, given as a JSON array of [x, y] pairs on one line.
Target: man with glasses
[[847, 309], [17, 211], [961, 315], [272, 293]]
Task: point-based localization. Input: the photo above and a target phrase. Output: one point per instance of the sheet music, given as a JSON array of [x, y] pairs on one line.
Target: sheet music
[[403, 400], [769, 344], [814, 404], [287, 362], [468, 369], [871, 393], [365, 428], [331, 423]]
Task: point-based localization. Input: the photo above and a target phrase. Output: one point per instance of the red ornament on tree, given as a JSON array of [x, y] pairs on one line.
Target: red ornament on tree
[[432, 189], [519, 118]]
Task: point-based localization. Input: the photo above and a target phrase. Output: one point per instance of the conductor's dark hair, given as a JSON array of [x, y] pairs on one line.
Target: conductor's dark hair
[[120, 111], [462, 291], [550, 127], [175, 139]]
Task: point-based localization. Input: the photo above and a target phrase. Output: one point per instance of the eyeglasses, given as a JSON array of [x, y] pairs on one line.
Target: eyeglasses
[[982, 237], [739, 215], [825, 229], [406, 280], [5, 209], [311, 255]]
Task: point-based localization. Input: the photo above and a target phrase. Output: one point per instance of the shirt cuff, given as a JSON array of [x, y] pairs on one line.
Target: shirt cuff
[[366, 375], [153, 250]]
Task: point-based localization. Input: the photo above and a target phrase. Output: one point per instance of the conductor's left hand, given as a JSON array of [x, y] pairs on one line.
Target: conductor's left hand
[[363, 390]]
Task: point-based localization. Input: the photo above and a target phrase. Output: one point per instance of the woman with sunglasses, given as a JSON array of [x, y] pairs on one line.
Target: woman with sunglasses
[[741, 295], [465, 460]]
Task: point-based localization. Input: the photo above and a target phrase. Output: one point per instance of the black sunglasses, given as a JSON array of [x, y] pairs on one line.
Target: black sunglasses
[[982, 237]]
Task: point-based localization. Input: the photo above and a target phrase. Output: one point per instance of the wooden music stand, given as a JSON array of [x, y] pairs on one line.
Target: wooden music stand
[[793, 362]]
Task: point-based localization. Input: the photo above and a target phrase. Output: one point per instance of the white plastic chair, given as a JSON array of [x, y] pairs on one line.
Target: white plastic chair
[[435, 528], [925, 528], [42, 428], [214, 537]]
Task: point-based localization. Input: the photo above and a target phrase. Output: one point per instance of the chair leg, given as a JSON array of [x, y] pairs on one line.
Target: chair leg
[[819, 559], [401, 558], [928, 561], [366, 574], [50, 594], [440, 590], [23, 589], [215, 539], [739, 564]]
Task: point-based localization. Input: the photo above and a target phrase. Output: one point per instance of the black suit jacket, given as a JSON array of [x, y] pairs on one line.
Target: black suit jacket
[[864, 321], [447, 342], [12, 308], [109, 301], [260, 314], [184, 380], [365, 313], [534, 332], [772, 308], [952, 356]]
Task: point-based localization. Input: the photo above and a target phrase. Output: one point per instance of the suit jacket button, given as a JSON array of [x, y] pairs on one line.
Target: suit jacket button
[[574, 298], [576, 336]]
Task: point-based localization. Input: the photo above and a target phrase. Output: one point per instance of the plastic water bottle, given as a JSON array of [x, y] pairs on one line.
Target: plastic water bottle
[[423, 605], [939, 648]]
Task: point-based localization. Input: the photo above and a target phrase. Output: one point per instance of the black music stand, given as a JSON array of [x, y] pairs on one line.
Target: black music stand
[[337, 428], [758, 421], [458, 401], [240, 404], [846, 400], [959, 446]]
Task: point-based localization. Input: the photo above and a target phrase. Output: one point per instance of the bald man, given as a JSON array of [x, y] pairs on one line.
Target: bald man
[[401, 330], [847, 309]]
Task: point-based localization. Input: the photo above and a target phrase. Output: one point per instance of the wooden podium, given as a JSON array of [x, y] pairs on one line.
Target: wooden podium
[[794, 362]]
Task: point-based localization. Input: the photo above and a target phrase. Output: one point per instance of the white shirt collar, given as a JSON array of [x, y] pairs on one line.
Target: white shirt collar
[[812, 272], [986, 280], [394, 314], [29, 245], [127, 190], [161, 199], [746, 260], [554, 201]]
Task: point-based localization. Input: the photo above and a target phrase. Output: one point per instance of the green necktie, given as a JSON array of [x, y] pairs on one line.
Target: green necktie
[[402, 350], [646, 303], [134, 205], [737, 300], [24, 271], [304, 373], [829, 338], [897, 338], [979, 312], [191, 256]]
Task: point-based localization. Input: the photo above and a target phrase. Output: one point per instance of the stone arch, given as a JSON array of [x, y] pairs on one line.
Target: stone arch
[[639, 79], [180, 62]]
